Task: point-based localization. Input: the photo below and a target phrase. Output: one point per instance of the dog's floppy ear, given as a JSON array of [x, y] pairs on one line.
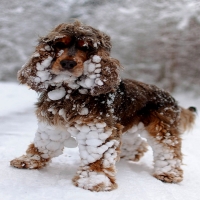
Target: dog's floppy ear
[[101, 72], [109, 78], [109, 68], [35, 72]]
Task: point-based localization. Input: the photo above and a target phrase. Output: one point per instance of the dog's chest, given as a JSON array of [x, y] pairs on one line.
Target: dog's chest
[[75, 106], [65, 108]]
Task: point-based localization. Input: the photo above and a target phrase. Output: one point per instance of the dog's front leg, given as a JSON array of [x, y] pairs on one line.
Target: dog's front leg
[[48, 143], [99, 150]]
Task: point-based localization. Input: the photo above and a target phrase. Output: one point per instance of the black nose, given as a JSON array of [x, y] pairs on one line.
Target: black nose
[[68, 64]]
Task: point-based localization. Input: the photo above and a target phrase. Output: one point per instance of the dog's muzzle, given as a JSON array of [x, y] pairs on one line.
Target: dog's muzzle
[[68, 64]]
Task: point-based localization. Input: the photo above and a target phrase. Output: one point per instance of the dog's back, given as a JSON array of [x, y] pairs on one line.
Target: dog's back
[[144, 99]]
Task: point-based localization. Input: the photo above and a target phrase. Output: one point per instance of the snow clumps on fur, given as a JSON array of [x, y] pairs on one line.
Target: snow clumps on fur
[[51, 140], [91, 139], [133, 146]]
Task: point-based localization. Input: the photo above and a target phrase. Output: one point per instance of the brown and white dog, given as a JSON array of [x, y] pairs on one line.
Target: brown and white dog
[[83, 97]]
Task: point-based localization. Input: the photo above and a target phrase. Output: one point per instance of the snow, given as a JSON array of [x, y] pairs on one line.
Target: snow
[[17, 129], [11, 99], [89, 82], [43, 75], [63, 77], [83, 91], [96, 59], [45, 63], [92, 72], [98, 82], [131, 143], [91, 178], [93, 142], [159, 151], [70, 143], [101, 125], [57, 94], [91, 67], [89, 140]]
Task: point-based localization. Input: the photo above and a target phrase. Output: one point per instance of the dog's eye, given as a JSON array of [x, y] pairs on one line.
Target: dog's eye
[[60, 45], [81, 44]]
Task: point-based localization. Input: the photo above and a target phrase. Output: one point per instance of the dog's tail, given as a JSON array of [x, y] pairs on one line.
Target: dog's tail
[[187, 118]]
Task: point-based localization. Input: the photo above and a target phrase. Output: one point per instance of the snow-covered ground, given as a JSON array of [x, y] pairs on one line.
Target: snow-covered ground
[[17, 126]]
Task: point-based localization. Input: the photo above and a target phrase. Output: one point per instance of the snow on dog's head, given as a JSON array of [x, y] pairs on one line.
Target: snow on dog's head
[[75, 55]]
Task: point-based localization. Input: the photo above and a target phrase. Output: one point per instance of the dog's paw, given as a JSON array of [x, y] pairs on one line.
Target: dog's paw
[[93, 181], [29, 162], [169, 177]]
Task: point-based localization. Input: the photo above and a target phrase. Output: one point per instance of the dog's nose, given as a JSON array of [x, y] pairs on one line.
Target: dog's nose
[[68, 64]]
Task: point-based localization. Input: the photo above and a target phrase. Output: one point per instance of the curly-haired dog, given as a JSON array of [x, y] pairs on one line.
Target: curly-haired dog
[[83, 97]]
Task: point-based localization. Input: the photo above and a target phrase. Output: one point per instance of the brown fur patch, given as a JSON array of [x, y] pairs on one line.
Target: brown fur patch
[[28, 162], [170, 178]]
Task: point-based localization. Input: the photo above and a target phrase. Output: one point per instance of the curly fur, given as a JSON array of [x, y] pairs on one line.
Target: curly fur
[[91, 103]]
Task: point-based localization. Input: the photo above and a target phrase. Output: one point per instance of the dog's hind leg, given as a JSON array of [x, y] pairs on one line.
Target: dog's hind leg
[[48, 143], [99, 147], [165, 141], [133, 146]]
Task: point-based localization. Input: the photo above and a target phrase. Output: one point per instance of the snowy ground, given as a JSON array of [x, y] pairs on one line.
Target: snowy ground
[[17, 127]]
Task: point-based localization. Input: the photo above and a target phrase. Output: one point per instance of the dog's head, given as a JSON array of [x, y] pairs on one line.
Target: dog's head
[[72, 54]]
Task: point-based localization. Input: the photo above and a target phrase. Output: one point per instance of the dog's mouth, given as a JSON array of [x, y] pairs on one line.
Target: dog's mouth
[[46, 74], [85, 75]]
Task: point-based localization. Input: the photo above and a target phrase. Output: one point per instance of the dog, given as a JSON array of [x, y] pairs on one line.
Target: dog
[[82, 96]]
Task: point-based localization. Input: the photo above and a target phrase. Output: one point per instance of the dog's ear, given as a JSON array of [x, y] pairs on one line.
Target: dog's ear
[[107, 73], [108, 68], [35, 72]]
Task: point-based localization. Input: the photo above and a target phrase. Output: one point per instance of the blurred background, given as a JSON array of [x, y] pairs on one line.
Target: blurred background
[[157, 42]]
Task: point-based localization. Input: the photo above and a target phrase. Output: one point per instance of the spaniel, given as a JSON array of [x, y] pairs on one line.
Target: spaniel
[[82, 97]]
